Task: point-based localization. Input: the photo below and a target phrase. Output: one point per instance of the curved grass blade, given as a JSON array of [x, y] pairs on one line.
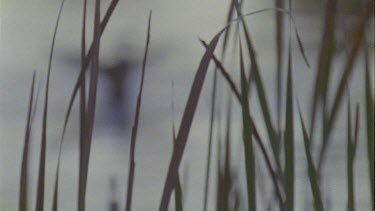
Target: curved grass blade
[[318, 203], [136, 119], [41, 174], [285, 12], [247, 139], [186, 122], [22, 203]]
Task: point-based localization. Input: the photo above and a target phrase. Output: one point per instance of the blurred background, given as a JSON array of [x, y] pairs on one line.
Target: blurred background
[[175, 51]]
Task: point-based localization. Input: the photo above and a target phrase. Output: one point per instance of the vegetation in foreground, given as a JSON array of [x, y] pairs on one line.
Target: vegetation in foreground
[[268, 143]]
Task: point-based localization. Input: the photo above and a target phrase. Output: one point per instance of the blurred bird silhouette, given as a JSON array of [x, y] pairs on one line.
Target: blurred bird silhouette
[[115, 93]]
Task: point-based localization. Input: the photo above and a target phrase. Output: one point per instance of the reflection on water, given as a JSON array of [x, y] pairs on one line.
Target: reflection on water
[[174, 55]]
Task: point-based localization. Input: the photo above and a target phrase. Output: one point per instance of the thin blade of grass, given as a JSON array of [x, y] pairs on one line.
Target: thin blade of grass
[[210, 137], [289, 138], [229, 18], [42, 161], [312, 173], [136, 120], [225, 73], [227, 182], [178, 189], [268, 163], [82, 111], [220, 180], [22, 203], [370, 124], [247, 139], [279, 19], [285, 12], [350, 161], [348, 69]]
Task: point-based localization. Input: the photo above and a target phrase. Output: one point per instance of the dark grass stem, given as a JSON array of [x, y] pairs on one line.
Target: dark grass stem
[[279, 21], [289, 176], [136, 120], [82, 111]]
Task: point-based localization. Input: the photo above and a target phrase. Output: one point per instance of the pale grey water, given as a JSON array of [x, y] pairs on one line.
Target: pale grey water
[[26, 31]]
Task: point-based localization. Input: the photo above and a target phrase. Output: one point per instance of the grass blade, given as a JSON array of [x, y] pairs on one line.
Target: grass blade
[[370, 124], [22, 203], [247, 139], [41, 174], [318, 203], [279, 59], [178, 189], [210, 137], [350, 150], [136, 119], [82, 111], [289, 139]]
